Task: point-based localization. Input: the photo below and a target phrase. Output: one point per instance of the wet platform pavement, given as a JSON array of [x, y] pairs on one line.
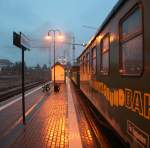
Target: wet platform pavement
[[55, 123]]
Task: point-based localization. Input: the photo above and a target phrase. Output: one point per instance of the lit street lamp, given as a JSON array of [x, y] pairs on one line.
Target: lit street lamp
[[60, 37]]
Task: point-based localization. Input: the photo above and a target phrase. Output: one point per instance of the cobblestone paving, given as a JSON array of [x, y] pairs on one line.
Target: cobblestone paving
[[48, 127]]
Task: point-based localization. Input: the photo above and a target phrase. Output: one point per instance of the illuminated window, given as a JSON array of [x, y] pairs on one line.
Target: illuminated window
[[88, 62], [105, 55], [83, 64], [131, 43], [93, 62]]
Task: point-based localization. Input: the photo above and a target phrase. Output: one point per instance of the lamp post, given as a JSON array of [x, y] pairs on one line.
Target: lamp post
[[74, 44], [73, 48], [54, 31], [89, 27]]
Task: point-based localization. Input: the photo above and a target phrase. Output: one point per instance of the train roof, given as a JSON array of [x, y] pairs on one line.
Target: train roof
[[115, 9]]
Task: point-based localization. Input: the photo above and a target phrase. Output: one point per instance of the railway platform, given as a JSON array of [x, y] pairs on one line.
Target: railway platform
[[55, 122]]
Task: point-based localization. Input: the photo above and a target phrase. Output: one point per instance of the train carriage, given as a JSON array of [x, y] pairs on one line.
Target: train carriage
[[74, 74], [115, 70]]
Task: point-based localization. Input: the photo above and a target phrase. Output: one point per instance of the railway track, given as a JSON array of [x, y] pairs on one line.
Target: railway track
[[17, 90]]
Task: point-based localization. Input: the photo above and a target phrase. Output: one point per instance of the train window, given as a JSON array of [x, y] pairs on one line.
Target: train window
[[81, 67], [132, 24], [131, 44], [93, 62], [105, 55], [83, 64], [88, 62]]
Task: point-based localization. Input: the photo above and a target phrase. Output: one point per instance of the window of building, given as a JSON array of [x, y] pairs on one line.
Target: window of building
[[105, 55], [93, 62], [131, 43]]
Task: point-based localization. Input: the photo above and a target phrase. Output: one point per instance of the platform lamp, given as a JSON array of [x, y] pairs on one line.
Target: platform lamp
[[54, 32]]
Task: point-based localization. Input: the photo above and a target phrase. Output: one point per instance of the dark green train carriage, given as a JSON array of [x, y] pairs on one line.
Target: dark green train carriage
[[115, 71]]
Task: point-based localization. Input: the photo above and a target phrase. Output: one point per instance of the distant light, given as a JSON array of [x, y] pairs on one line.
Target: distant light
[[112, 38], [99, 37], [48, 37], [60, 37], [84, 44]]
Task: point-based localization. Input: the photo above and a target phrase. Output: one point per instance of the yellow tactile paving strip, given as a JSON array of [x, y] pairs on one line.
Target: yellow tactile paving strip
[[85, 131], [49, 125], [87, 136], [74, 133]]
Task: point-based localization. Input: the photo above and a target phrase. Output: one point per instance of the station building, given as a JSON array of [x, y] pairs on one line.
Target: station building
[[59, 72]]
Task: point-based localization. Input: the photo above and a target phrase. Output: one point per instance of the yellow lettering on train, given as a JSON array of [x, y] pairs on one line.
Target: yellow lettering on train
[[107, 93], [132, 100], [111, 96], [104, 90], [128, 97], [121, 97], [116, 98], [137, 103], [147, 106]]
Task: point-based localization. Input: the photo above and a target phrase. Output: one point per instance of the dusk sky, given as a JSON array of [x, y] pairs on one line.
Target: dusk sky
[[36, 17]]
